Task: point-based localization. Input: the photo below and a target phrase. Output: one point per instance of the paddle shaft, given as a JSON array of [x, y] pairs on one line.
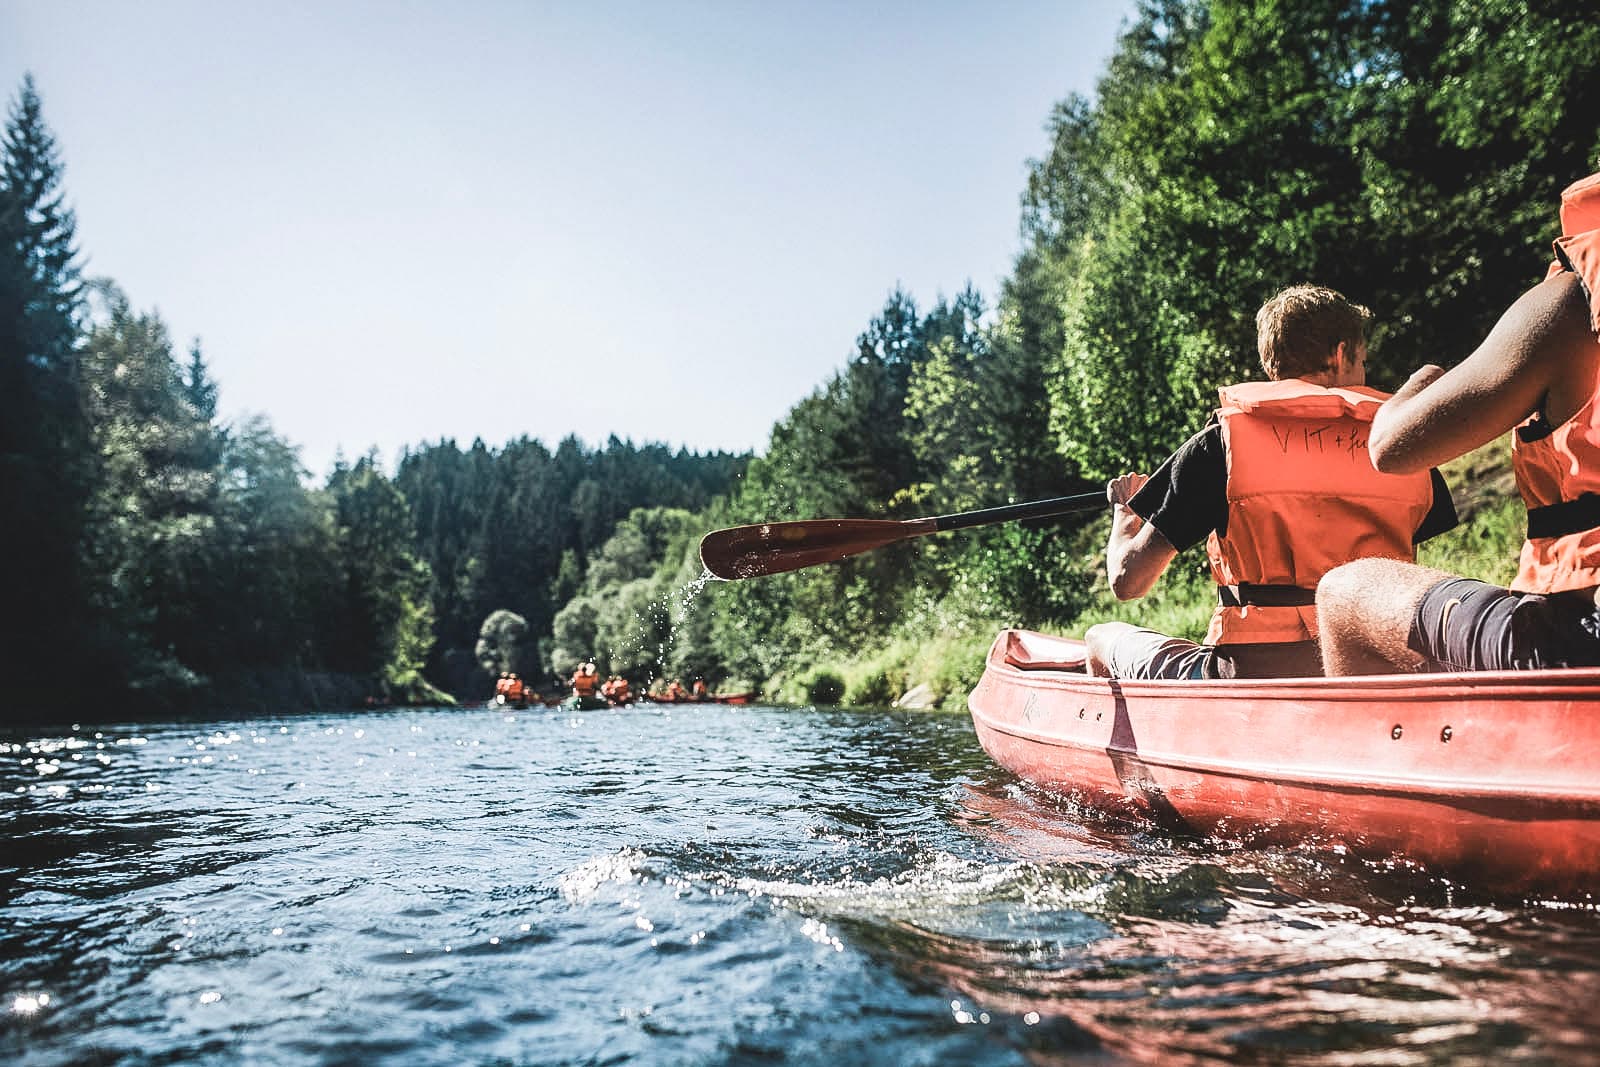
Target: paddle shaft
[[1037, 509], [775, 547]]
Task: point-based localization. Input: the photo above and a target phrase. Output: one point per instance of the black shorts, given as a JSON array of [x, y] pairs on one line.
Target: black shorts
[[1142, 653], [1466, 625]]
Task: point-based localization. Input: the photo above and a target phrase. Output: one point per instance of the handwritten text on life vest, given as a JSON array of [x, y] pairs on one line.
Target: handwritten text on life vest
[[1320, 439]]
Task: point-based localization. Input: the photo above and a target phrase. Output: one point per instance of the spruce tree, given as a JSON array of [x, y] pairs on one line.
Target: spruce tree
[[45, 459]]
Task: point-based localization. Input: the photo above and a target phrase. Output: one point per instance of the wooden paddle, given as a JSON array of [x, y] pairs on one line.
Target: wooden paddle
[[775, 547]]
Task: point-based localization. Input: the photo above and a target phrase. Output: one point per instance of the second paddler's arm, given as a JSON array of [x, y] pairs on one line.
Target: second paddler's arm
[[1137, 553], [1527, 360]]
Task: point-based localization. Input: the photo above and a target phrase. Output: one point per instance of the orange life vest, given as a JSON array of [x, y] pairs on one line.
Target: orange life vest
[[1559, 475], [1578, 247], [1303, 497], [584, 684]]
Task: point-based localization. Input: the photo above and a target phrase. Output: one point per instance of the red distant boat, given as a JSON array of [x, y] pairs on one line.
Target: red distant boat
[[1493, 778], [713, 698]]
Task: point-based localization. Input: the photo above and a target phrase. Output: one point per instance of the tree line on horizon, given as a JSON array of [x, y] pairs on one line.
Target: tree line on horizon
[[1409, 155], [157, 559]]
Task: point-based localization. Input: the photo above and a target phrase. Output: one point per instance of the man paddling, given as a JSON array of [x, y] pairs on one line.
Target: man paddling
[[1280, 486], [1537, 372]]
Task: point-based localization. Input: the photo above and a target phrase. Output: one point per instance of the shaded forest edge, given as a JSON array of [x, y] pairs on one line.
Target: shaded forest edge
[[161, 561]]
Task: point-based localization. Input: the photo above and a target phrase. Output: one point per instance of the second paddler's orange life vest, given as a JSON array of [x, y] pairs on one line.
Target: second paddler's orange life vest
[[1558, 474], [1578, 247], [1303, 497], [585, 684]]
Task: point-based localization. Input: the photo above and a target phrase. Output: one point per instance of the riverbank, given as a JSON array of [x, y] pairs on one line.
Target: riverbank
[[236, 693]]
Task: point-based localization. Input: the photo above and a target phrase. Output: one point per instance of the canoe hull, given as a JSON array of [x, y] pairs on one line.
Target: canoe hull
[[1492, 778], [714, 698]]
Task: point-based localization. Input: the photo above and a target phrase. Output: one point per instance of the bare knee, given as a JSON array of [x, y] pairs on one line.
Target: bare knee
[[1098, 641], [1342, 592], [1364, 613]]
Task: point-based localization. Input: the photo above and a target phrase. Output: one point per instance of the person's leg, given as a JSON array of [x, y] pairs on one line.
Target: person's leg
[[1365, 610], [1099, 640], [1120, 650]]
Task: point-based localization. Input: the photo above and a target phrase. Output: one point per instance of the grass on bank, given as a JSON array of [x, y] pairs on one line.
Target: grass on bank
[[949, 662]]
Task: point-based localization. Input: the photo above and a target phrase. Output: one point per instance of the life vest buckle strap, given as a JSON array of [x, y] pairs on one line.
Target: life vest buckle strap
[[1566, 517], [1265, 596]]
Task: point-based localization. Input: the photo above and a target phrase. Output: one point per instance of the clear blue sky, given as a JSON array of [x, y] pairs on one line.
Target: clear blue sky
[[391, 222]]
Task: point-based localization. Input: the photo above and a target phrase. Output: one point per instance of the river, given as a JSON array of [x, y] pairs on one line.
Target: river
[[706, 885]]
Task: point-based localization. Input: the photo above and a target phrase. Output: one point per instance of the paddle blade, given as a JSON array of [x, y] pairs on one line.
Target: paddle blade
[[775, 547]]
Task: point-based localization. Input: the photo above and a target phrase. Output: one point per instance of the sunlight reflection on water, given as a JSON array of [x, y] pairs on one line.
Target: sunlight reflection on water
[[707, 884]]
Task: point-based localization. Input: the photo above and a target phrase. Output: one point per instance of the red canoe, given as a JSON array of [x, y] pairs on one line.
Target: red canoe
[[1493, 778], [714, 698]]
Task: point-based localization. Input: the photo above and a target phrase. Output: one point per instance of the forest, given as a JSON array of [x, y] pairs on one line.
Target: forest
[[158, 558]]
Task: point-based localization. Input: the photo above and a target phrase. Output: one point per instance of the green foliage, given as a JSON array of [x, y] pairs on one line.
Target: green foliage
[[1488, 542], [275, 598], [385, 585], [514, 528], [502, 643], [1408, 156], [823, 686], [636, 592], [403, 681], [1486, 548], [875, 688], [152, 533], [573, 638]]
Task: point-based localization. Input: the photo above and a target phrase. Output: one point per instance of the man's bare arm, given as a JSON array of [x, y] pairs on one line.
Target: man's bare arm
[[1137, 553], [1540, 347]]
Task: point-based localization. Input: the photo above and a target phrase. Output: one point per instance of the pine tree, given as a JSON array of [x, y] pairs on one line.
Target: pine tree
[[198, 388], [43, 290], [45, 464]]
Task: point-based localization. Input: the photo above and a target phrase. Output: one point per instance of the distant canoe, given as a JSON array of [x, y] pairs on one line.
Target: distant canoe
[[714, 698]]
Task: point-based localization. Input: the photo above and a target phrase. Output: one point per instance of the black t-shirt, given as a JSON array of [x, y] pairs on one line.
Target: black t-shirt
[[1187, 497]]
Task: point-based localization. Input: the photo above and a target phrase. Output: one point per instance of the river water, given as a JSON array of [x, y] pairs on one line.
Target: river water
[[706, 885]]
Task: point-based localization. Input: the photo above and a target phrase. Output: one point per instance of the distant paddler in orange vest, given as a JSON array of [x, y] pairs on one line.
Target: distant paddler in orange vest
[[616, 690], [698, 689], [1280, 486], [586, 681], [516, 693]]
